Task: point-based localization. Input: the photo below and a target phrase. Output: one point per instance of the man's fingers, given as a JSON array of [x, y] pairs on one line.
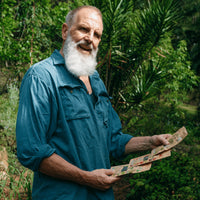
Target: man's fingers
[[113, 179], [160, 139], [103, 179], [109, 172], [165, 138], [168, 136]]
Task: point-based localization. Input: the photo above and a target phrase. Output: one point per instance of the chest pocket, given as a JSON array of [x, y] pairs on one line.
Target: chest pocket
[[73, 103]]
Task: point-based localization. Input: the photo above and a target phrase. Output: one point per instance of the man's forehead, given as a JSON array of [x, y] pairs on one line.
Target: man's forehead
[[85, 14]]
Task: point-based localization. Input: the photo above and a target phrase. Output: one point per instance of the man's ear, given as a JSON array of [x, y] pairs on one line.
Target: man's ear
[[64, 31]]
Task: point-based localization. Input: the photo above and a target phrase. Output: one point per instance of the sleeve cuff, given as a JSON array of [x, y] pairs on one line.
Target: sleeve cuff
[[33, 159], [119, 153]]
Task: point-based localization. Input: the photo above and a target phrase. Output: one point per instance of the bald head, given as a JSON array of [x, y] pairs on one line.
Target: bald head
[[71, 15]]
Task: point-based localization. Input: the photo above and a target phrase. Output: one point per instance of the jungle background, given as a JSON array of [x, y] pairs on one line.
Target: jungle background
[[149, 60]]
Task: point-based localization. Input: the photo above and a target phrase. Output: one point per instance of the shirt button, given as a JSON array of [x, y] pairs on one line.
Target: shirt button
[[71, 91]]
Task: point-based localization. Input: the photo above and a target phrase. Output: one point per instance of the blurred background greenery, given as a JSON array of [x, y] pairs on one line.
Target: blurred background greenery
[[149, 61]]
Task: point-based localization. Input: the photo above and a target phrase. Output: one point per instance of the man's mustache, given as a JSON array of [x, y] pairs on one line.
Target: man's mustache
[[89, 46]]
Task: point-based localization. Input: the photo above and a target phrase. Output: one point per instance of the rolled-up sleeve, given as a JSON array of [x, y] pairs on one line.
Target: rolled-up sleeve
[[119, 139], [33, 122]]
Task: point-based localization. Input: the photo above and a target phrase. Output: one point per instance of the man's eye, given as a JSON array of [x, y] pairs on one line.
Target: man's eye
[[83, 29], [97, 35]]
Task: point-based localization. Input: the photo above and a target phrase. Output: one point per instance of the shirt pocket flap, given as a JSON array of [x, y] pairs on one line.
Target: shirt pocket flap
[[73, 105]]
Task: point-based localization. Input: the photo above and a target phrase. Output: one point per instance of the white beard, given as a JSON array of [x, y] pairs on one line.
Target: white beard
[[76, 62]]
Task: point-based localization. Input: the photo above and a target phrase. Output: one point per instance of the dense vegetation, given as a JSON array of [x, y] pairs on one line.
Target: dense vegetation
[[149, 61]]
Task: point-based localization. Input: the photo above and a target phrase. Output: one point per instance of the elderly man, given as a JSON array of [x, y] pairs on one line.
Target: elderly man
[[66, 126]]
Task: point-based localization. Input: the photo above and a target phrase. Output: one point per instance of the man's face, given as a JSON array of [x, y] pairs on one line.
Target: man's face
[[87, 27]]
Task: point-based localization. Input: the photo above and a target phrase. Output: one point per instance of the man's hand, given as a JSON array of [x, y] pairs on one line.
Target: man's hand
[[158, 140], [101, 179], [57, 167], [136, 144]]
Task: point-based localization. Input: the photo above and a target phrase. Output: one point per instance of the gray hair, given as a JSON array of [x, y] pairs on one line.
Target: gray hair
[[70, 16]]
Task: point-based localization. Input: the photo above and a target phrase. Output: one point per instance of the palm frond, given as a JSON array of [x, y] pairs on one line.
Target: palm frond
[[151, 25]]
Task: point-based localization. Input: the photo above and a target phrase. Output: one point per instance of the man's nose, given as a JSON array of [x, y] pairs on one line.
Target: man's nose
[[89, 37]]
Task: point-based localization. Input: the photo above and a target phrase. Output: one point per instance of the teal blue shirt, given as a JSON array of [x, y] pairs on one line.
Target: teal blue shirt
[[57, 115]]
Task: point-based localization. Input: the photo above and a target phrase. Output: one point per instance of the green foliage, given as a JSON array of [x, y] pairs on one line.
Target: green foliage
[[166, 73], [150, 25], [157, 116], [178, 67], [7, 27], [143, 85], [170, 179], [8, 110], [188, 29], [30, 32], [18, 183], [173, 178]]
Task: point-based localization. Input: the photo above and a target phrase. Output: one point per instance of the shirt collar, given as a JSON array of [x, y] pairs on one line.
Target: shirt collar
[[57, 58], [65, 77]]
